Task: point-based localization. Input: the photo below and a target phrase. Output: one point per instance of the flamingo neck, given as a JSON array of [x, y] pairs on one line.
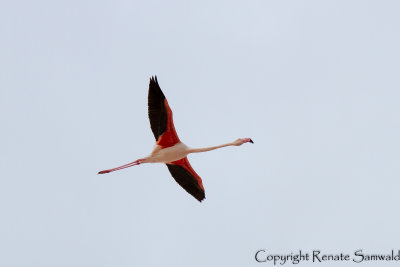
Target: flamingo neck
[[205, 149]]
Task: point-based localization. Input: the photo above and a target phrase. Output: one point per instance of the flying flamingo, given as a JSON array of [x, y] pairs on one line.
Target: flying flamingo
[[168, 148]]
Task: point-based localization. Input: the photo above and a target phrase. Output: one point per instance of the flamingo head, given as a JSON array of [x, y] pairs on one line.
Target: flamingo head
[[241, 141]]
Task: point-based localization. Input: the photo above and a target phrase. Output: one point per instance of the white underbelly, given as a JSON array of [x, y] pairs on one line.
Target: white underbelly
[[169, 154]]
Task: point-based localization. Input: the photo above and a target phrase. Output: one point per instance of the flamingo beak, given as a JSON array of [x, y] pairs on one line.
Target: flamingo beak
[[251, 141]]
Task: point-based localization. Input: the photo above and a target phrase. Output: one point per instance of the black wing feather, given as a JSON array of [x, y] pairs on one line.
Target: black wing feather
[[157, 111], [187, 181]]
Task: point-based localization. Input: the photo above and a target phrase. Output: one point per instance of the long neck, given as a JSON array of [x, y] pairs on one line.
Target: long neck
[[204, 149]]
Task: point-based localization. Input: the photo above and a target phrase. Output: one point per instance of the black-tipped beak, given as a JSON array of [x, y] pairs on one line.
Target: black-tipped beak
[[251, 141]]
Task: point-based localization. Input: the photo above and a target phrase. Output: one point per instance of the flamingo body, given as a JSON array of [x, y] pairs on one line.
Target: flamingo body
[[169, 149], [168, 154]]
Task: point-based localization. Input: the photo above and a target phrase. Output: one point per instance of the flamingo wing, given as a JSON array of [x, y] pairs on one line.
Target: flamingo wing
[[160, 115], [186, 177]]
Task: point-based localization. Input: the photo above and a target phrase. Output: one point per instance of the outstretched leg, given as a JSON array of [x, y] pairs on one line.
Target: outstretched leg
[[136, 162]]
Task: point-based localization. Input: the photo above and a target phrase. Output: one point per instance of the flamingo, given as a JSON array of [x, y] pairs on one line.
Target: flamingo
[[168, 148]]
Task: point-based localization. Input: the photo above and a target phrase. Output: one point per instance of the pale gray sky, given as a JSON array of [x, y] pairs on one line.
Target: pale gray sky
[[314, 83]]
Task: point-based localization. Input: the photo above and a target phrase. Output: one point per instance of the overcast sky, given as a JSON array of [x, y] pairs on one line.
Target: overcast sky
[[315, 84]]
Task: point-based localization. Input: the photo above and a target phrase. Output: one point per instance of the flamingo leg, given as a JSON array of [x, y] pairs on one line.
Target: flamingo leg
[[136, 162]]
